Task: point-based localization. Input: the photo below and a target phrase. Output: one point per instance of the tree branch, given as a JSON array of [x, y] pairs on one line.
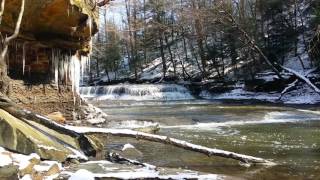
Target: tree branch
[[103, 3]]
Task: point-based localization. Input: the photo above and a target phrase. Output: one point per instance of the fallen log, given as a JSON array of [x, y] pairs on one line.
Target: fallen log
[[292, 85], [288, 88], [172, 141], [302, 78]]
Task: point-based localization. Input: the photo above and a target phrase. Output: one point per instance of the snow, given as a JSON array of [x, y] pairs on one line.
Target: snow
[[141, 173], [82, 174], [302, 95], [240, 94], [301, 76], [127, 146], [47, 147], [5, 160], [77, 154], [46, 165], [23, 161], [26, 177]]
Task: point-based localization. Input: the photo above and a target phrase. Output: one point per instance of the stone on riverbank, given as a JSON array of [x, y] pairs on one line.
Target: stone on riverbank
[[28, 137]]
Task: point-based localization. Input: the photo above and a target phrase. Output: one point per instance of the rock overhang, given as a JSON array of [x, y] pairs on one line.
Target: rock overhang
[[63, 24]]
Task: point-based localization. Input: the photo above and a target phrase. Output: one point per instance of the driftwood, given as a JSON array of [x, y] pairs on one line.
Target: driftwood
[[80, 134], [172, 141]]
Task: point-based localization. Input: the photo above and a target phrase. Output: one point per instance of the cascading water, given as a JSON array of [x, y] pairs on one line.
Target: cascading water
[[137, 92]]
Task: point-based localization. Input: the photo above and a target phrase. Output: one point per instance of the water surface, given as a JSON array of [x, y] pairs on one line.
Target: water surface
[[289, 136]]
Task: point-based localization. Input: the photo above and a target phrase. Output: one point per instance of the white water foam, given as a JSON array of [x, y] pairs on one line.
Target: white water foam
[[269, 118]]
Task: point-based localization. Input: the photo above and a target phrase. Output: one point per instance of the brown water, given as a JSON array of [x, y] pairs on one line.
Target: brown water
[[289, 136]]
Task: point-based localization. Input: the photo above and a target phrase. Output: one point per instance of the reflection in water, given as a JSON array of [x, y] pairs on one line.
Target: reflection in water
[[286, 135]]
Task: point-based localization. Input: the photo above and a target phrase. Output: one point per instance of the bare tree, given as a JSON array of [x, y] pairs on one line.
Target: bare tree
[[5, 44]]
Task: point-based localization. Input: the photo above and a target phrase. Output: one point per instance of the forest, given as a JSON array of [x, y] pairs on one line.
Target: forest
[[206, 40]]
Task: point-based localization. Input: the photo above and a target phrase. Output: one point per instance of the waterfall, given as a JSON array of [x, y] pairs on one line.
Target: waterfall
[[137, 92]]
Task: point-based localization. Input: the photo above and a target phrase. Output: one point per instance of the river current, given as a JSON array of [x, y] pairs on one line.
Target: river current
[[287, 135]]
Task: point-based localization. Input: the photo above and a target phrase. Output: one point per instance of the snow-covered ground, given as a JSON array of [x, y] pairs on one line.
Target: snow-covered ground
[[30, 167], [303, 95]]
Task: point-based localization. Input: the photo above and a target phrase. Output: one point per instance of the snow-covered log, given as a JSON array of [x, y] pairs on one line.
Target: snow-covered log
[[288, 88], [172, 141], [302, 78]]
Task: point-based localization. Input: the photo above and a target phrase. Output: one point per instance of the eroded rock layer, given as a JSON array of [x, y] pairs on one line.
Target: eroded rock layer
[[67, 24]]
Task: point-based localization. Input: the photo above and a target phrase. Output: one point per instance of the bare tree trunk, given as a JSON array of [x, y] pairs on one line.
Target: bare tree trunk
[[164, 62], [171, 56], [251, 42], [4, 84]]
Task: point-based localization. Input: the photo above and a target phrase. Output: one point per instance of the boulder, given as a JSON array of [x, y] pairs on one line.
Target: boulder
[[28, 137]]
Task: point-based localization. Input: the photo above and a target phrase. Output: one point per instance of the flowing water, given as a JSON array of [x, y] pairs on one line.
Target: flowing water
[[289, 136]]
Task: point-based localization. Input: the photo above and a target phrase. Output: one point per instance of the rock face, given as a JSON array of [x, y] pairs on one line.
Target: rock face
[[54, 38], [55, 23], [29, 137]]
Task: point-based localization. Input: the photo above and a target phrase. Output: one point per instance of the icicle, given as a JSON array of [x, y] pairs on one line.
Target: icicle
[[55, 64], [24, 57], [90, 30], [68, 11]]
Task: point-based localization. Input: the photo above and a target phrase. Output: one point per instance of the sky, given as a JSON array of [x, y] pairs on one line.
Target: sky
[[116, 11]]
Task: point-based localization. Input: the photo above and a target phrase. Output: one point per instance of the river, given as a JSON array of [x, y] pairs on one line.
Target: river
[[287, 135]]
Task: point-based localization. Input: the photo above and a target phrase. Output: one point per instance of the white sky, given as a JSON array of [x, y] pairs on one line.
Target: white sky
[[116, 11]]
